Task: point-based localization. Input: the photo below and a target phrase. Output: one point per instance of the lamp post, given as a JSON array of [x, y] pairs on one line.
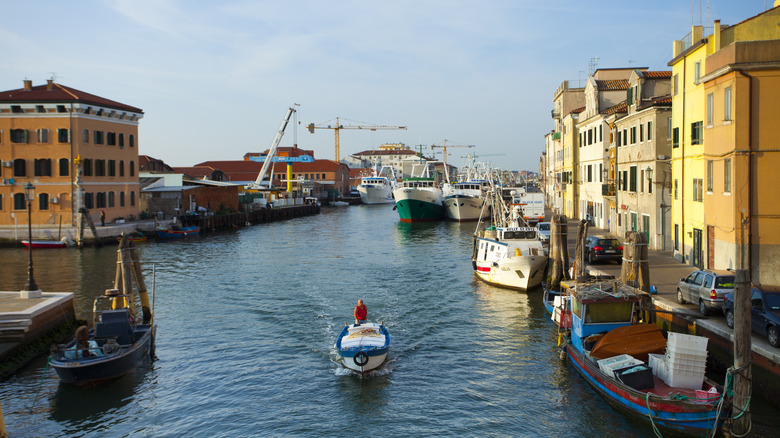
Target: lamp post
[[29, 195]]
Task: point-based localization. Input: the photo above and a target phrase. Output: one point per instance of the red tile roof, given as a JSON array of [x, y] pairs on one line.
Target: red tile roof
[[198, 172], [577, 110], [240, 170], [63, 94], [388, 152], [619, 108], [657, 74], [612, 85], [655, 101]]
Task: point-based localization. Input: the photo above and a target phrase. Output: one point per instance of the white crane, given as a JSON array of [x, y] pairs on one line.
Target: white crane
[[272, 150]]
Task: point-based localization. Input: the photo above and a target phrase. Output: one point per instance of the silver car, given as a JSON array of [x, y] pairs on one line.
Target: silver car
[[544, 231], [707, 288]]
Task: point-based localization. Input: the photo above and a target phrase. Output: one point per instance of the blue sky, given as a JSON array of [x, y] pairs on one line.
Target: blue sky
[[215, 78]]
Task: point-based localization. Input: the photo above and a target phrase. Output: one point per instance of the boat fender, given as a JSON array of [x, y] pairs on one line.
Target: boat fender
[[361, 358]]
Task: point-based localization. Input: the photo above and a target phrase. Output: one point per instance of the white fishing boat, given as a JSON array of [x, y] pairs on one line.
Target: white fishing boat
[[377, 188], [464, 200], [508, 253], [363, 347]]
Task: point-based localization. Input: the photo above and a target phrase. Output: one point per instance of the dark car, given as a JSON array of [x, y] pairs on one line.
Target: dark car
[[764, 313], [706, 288], [603, 248]]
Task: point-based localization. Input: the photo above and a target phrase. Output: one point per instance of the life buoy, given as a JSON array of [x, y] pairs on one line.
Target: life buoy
[[360, 359]]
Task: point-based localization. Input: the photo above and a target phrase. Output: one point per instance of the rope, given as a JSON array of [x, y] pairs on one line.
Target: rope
[[48, 361], [650, 415]]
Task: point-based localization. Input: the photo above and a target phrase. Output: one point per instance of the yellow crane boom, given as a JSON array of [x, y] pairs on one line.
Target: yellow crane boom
[[338, 126], [445, 146]]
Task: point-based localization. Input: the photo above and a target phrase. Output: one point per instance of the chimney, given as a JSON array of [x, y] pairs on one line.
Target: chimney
[[677, 48], [716, 37], [49, 84], [27, 85]]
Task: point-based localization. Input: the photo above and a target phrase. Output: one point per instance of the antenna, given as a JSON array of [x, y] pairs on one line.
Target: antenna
[[592, 64]]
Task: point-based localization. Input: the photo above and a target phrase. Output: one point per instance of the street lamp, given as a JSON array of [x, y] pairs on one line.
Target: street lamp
[[29, 195], [649, 172]]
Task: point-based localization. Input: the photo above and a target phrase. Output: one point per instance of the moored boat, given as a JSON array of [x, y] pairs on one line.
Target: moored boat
[[623, 361], [363, 347], [377, 188], [418, 200], [43, 244], [176, 233], [508, 253], [464, 201]]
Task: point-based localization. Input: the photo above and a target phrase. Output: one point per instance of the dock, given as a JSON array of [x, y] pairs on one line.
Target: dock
[[29, 325]]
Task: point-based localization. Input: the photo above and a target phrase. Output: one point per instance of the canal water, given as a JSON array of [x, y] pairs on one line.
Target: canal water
[[246, 326]]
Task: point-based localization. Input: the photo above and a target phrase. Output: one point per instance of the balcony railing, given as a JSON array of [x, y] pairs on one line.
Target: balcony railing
[[607, 190]]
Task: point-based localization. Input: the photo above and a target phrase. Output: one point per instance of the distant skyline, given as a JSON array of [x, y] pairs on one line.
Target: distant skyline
[[215, 78]]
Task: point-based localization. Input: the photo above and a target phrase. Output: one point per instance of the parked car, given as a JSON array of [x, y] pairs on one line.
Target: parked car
[[544, 231], [599, 248], [764, 312], [706, 288]]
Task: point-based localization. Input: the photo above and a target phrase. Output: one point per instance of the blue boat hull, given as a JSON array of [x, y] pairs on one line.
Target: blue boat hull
[[176, 234], [94, 370]]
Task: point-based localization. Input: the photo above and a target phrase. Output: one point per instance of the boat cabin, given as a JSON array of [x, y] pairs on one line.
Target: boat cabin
[[418, 183], [508, 242], [374, 181], [600, 308]]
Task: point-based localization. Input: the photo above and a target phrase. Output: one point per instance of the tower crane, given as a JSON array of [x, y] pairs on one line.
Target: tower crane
[[445, 146], [311, 127]]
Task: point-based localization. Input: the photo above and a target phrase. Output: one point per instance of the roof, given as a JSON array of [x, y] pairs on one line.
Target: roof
[[61, 93], [577, 110], [359, 172], [241, 170], [666, 74], [612, 85], [655, 101], [619, 108], [195, 171], [388, 152]]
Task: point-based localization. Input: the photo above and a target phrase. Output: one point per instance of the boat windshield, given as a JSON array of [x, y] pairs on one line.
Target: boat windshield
[[600, 313]]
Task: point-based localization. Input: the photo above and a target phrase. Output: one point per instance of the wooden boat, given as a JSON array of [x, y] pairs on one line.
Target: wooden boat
[[609, 349], [119, 342], [173, 233], [363, 347], [136, 237], [43, 244]]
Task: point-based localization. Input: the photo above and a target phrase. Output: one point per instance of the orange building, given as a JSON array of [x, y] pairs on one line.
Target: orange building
[[77, 149]]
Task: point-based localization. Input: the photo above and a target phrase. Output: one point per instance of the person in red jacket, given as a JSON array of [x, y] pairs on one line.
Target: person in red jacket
[[360, 313]]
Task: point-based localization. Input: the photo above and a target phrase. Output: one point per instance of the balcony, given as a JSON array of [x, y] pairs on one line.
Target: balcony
[[556, 136], [555, 114], [608, 189]]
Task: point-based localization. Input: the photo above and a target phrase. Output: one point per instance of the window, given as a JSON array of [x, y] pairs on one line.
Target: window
[[86, 167], [121, 140], [601, 133], [100, 167], [632, 179], [111, 138], [89, 200], [590, 136], [16, 109], [98, 137], [61, 109], [698, 195], [131, 140], [111, 167], [727, 175], [669, 128], [63, 135], [590, 173], [100, 200], [675, 137], [85, 135], [642, 181], [40, 109], [625, 180], [132, 198], [43, 201], [710, 165], [675, 85], [121, 168], [601, 172], [710, 100], [18, 136], [121, 199], [19, 202], [625, 136], [630, 96], [110, 199], [696, 137], [42, 167], [618, 138], [64, 167], [132, 171], [641, 132], [649, 184], [696, 71], [675, 189], [20, 167], [727, 103], [43, 135], [676, 237], [633, 134], [649, 131]]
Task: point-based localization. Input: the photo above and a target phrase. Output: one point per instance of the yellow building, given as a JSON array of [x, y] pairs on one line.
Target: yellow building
[[694, 231], [77, 149], [741, 202]]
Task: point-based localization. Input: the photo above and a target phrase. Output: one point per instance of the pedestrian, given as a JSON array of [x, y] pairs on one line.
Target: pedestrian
[[102, 218], [361, 312]]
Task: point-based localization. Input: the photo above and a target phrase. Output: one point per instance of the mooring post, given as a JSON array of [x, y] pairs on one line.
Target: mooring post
[[555, 244], [743, 374], [579, 251]]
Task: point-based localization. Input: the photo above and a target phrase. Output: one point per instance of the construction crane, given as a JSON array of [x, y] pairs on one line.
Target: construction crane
[[311, 127], [272, 150], [445, 146]]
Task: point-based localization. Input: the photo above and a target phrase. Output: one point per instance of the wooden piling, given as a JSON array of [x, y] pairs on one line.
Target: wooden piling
[[635, 271], [579, 251], [558, 251], [743, 373]]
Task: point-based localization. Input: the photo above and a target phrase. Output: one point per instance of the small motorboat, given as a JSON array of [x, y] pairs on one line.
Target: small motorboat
[[363, 347], [42, 244], [176, 233], [136, 237]]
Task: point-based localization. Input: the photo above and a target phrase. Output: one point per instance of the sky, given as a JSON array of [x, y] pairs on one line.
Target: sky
[[215, 78]]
